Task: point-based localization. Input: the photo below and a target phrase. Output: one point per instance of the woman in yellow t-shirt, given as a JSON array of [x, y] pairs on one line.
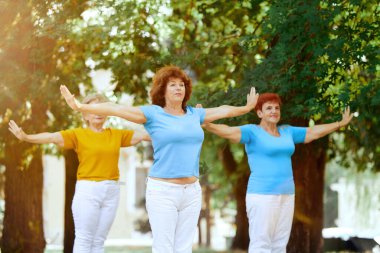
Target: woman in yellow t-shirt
[[97, 190]]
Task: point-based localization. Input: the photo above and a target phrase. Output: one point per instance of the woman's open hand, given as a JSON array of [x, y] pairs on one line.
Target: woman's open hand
[[252, 98], [346, 117], [16, 130], [70, 99]]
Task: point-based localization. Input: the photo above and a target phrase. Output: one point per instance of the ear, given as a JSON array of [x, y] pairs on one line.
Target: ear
[[85, 116], [259, 114]]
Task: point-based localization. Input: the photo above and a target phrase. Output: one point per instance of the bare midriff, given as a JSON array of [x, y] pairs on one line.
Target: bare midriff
[[182, 180]]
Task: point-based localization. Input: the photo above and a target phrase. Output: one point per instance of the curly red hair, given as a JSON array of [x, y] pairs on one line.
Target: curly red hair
[[267, 97], [161, 79]]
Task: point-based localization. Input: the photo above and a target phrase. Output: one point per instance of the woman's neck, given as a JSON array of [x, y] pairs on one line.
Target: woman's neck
[[174, 108], [270, 127], [96, 128]]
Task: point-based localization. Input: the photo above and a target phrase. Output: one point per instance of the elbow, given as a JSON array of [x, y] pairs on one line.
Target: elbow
[[311, 137], [234, 141], [228, 112]]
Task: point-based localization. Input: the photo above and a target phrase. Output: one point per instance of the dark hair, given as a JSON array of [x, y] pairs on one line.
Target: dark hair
[[160, 81], [267, 97]]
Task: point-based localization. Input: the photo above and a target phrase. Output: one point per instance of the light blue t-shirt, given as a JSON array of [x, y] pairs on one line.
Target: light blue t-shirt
[[176, 140], [269, 158]]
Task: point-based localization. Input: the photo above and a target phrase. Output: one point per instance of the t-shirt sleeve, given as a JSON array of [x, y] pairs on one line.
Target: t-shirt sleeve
[[70, 140], [298, 134], [149, 112], [201, 112], [126, 137], [246, 132]]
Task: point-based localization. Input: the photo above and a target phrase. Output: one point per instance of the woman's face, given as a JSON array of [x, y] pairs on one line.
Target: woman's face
[[93, 119], [270, 112], [175, 90]]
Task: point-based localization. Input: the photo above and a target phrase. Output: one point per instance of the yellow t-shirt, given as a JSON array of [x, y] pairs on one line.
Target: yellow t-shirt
[[98, 153]]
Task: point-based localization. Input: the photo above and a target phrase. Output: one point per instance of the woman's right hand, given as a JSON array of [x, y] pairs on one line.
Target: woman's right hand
[[17, 131], [70, 99], [252, 98], [346, 117]]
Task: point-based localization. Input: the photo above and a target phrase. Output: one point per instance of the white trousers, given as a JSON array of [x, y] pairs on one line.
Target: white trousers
[[94, 209], [173, 211], [270, 222]]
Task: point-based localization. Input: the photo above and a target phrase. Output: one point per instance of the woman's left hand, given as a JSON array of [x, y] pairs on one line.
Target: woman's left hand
[[346, 117], [70, 99], [252, 98]]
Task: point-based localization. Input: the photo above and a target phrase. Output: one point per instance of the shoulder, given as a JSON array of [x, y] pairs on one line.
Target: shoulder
[[193, 110], [119, 133], [72, 130], [151, 107], [248, 128], [284, 127]]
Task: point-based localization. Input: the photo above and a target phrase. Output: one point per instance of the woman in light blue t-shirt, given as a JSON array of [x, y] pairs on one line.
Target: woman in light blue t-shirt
[[270, 191], [173, 193]]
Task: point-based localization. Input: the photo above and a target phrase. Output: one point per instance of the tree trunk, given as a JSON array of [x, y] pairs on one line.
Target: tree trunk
[[241, 171], [241, 240], [71, 166], [308, 168], [23, 228]]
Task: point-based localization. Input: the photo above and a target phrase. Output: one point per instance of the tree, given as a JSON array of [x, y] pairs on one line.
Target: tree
[[29, 85], [313, 59], [23, 228]]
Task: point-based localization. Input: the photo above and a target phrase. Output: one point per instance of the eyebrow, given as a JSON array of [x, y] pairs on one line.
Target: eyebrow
[[175, 82]]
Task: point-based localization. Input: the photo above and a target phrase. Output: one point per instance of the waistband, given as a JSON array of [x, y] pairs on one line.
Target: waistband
[[155, 182], [103, 182]]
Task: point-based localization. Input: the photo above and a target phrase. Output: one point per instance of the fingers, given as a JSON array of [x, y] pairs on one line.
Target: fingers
[[253, 91], [14, 128], [347, 115], [198, 106], [253, 94], [65, 92], [13, 124]]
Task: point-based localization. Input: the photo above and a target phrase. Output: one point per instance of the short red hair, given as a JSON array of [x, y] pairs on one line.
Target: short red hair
[[267, 97], [160, 81]]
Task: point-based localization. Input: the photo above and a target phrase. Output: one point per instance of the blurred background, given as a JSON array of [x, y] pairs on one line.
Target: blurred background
[[320, 56]]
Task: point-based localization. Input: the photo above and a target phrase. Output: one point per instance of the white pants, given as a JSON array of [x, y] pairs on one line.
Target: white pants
[[94, 209], [270, 222], [173, 211]]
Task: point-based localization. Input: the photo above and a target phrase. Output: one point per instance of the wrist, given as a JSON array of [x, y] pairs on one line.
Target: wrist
[[249, 107], [339, 124], [24, 137], [79, 107]]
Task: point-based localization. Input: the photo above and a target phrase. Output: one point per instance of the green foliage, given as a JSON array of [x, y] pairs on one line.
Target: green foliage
[[318, 55], [323, 56]]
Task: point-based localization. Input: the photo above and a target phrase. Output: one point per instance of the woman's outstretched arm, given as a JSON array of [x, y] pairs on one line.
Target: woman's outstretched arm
[[228, 111], [318, 131], [131, 113], [40, 138], [230, 133], [139, 136]]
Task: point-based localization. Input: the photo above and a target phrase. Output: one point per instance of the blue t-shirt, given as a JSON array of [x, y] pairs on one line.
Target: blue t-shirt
[[176, 141], [269, 158]]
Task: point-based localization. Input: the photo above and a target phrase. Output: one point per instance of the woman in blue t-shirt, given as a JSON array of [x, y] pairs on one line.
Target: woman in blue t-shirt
[[173, 193], [270, 192]]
